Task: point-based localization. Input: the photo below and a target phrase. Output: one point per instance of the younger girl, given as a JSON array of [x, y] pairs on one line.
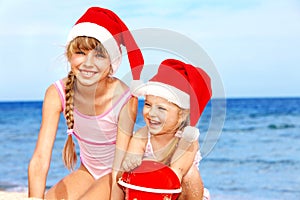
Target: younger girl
[[93, 102], [174, 99]]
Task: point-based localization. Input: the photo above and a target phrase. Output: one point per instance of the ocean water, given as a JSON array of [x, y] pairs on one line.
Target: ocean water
[[256, 156]]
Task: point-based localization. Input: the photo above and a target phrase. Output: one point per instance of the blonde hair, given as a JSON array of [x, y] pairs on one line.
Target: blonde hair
[[81, 43], [84, 43], [168, 153]]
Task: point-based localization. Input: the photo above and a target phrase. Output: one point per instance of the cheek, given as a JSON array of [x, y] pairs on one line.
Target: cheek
[[163, 116], [145, 112], [172, 119], [102, 64], [75, 61]]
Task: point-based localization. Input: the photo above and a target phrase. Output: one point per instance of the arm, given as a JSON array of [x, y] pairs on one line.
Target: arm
[[133, 155], [184, 155], [126, 123], [127, 118], [40, 161], [136, 150]]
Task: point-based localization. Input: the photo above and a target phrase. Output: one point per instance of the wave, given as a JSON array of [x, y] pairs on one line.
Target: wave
[[253, 128], [253, 161], [12, 187], [239, 130], [281, 126]]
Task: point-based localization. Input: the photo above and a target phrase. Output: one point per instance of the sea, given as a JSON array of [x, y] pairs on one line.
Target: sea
[[250, 147]]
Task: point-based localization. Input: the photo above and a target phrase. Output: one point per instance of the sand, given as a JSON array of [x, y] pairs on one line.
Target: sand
[[14, 195]]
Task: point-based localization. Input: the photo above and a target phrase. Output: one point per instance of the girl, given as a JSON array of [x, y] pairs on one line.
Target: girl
[[93, 101], [167, 137]]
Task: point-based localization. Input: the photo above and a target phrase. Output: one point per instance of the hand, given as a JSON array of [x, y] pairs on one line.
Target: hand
[[190, 134], [131, 161]]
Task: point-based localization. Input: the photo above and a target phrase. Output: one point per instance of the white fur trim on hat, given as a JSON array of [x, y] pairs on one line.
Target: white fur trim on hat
[[149, 190], [103, 35], [172, 94]]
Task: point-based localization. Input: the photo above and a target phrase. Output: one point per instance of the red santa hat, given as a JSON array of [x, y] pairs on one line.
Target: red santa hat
[[183, 84], [105, 26]]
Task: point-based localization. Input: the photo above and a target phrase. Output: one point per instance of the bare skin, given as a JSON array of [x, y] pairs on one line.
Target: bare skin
[[161, 128], [91, 98], [192, 185]]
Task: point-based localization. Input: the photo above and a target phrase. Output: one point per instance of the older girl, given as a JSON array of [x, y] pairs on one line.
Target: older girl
[[93, 102]]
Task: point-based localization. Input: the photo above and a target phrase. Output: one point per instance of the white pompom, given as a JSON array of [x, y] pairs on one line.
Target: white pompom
[[190, 133], [134, 86]]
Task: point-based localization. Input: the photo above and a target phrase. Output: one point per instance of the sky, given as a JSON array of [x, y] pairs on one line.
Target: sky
[[250, 48]]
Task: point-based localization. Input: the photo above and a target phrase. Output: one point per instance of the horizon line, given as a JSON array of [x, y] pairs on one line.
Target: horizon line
[[214, 98]]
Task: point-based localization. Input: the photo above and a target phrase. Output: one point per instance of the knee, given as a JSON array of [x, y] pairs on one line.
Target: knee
[[192, 185]]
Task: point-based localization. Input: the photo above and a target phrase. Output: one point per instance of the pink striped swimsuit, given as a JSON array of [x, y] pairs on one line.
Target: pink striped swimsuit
[[96, 135]]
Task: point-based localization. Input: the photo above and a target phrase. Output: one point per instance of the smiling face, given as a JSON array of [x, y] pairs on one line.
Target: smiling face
[[160, 115], [89, 60]]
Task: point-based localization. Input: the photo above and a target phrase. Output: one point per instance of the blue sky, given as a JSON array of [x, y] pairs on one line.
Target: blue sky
[[253, 44]]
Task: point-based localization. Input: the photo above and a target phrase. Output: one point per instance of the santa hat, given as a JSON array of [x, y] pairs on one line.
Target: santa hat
[[105, 26], [183, 84]]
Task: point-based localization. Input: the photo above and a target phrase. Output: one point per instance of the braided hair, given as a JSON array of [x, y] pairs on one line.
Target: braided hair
[[80, 43]]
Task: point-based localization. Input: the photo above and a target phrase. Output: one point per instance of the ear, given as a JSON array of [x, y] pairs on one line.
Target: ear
[[111, 71], [184, 117], [185, 114]]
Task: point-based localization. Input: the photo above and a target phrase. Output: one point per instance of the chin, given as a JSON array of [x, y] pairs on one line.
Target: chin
[[87, 82], [154, 131]]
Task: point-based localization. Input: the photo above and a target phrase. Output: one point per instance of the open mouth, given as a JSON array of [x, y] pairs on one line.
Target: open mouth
[[87, 73], [153, 123]]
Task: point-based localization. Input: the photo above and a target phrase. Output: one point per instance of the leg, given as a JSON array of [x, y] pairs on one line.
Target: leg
[[100, 188], [117, 193], [192, 185], [72, 186]]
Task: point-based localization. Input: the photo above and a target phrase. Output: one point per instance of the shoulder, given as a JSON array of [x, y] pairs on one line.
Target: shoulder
[[62, 82], [118, 85], [52, 98], [52, 95], [142, 133], [140, 138], [51, 91], [118, 89]]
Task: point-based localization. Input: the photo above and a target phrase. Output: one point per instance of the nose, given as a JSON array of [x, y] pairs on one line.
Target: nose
[[152, 111], [89, 59]]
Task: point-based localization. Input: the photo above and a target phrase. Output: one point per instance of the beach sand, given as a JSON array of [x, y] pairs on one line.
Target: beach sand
[[4, 195]]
